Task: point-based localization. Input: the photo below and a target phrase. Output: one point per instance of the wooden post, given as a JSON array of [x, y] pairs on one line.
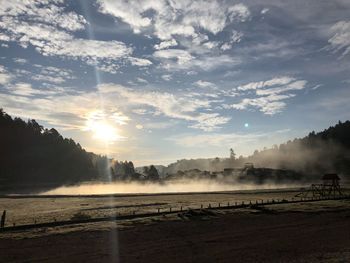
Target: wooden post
[[158, 210], [3, 219], [170, 209], [181, 208], [228, 203], [201, 206], [219, 204]]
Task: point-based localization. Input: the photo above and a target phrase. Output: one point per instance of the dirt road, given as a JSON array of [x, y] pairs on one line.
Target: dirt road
[[236, 237]]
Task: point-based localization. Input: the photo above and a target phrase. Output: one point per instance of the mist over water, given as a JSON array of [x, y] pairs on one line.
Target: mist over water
[[179, 186]]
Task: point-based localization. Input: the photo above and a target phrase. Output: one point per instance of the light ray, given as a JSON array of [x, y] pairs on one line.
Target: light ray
[[114, 244]]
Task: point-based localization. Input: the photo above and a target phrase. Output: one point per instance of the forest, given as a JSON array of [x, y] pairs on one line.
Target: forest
[[33, 156], [327, 151]]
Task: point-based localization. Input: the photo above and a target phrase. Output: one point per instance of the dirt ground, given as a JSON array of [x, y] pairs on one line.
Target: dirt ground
[[271, 234]]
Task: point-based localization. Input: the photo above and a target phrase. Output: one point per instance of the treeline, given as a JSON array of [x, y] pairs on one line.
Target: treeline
[[32, 157], [317, 153], [125, 171]]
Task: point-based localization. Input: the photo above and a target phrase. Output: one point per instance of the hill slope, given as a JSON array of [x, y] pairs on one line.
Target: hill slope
[[32, 155], [315, 154]]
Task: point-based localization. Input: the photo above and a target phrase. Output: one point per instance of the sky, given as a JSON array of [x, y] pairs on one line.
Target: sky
[[158, 81]]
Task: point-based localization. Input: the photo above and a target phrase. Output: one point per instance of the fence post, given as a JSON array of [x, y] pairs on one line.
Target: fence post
[[3, 218], [158, 210]]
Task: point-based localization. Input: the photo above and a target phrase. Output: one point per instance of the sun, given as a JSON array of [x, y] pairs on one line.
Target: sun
[[103, 128], [104, 132]]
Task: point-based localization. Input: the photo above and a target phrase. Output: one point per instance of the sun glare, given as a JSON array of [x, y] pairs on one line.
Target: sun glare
[[102, 130], [105, 132]]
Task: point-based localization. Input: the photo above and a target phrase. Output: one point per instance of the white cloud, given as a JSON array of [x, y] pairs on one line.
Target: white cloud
[[141, 80], [211, 44], [340, 41], [261, 84], [204, 84], [235, 38], [20, 60], [166, 77], [269, 105], [269, 99], [226, 46], [5, 76], [50, 12], [177, 59], [51, 34], [296, 85], [264, 11], [140, 111], [166, 44], [141, 62], [184, 24], [172, 18], [168, 104], [180, 56], [238, 12], [26, 90], [210, 121], [65, 110]]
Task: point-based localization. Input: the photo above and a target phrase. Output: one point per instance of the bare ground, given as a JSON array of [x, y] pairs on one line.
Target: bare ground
[[279, 235]]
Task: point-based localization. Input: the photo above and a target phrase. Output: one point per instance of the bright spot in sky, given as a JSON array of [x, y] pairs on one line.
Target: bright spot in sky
[[246, 125], [139, 126], [102, 129], [104, 132]]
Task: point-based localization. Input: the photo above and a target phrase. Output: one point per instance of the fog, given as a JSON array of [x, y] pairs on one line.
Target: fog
[[312, 157], [179, 186]]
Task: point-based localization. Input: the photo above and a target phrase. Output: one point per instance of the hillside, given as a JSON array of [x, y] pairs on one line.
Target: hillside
[[36, 158], [315, 154], [32, 155]]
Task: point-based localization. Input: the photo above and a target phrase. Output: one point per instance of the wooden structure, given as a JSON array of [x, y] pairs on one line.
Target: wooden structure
[[329, 187], [248, 166]]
